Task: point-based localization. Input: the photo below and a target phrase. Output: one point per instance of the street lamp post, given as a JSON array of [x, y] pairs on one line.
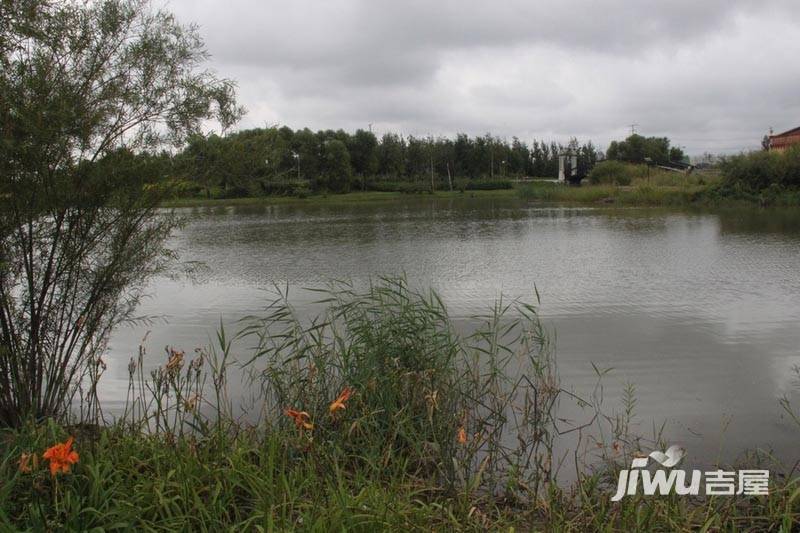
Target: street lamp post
[[297, 158]]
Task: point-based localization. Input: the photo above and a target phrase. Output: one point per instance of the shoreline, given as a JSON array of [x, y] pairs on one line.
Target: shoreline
[[640, 195], [349, 197]]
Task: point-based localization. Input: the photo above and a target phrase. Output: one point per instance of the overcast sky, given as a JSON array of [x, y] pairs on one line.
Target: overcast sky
[[713, 75]]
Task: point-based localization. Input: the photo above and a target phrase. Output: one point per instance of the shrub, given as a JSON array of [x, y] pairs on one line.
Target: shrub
[[615, 173], [761, 170]]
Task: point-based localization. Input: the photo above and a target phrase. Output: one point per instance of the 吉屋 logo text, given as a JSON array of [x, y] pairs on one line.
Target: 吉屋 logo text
[[666, 480]]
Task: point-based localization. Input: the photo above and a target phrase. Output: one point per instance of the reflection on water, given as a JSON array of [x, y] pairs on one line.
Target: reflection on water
[[698, 310]]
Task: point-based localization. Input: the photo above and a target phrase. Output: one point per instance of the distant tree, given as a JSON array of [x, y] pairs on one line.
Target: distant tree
[[633, 149], [444, 159], [84, 87], [538, 159], [676, 154], [198, 162], [464, 164], [519, 157], [391, 155], [286, 133], [552, 160], [416, 157], [308, 148], [233, 162], [636, 148], [587, 157], [363, 149], [337, 170], [613, 151]]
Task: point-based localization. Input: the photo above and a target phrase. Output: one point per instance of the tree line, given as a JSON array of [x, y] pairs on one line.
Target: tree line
[[639, 149], [279, 159]]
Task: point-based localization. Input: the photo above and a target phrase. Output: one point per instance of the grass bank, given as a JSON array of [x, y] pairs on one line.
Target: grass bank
[[757, 179], [661, 190], [642, 194], [639, 194], [660, 193], [542, 192], [334, 199], [252, 480], [376, 416]]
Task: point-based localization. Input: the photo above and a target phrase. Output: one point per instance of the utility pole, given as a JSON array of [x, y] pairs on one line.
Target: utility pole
[[449, 177], [370, 127], [633, 128], [432, 186], [430, 152]]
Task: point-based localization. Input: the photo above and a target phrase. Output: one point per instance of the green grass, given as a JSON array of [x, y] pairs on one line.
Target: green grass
[[640, 194], [661, 189], [610, 183], [333, 199], [242, 482], [262, 481], [391, 460]]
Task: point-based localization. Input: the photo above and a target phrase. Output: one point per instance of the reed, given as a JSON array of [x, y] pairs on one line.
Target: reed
[[440, 431]]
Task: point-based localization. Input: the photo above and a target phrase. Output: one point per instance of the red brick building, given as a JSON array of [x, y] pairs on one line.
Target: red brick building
[[782, 141]]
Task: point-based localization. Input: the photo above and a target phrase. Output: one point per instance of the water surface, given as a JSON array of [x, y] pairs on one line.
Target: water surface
[[698, 310]]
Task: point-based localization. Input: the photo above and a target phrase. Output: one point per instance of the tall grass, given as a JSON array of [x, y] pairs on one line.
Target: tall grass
[[442, 432], [613, 172], [417, 384], [641, 193]]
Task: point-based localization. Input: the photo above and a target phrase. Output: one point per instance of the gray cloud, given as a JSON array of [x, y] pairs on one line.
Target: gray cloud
[[712, 75]]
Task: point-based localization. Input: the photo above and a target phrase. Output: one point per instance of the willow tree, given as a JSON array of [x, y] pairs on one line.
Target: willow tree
[[84, 88]]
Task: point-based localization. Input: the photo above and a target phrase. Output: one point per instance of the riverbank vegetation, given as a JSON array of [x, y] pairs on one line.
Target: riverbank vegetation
[[344, 199], [764, 179], [375, 416], [618, 183], [283, 161], [637, 171]]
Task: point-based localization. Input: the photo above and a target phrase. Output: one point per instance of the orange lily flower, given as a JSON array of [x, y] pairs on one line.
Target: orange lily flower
[[338, 403], [61, 457], [175, 361], [462, 435], [301, 419], [27, 462]]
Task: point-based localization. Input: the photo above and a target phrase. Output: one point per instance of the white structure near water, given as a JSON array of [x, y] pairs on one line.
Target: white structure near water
[[567, 167]]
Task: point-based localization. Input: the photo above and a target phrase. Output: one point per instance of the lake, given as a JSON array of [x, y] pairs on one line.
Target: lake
[[698, 310]]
